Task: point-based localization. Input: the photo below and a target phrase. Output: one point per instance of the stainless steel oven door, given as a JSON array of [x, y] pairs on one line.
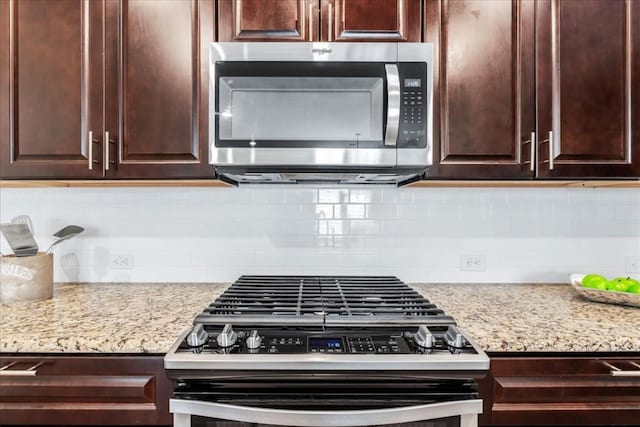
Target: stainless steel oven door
[[445, 414]]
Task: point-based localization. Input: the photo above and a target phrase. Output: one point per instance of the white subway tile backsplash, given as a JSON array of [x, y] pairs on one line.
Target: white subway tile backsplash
[[400, 195], [301, 195], [413, 211], [318, 211], [349, 211], [366, 195], [333, 227], [333, 195], [269, 195], [365, 227], [381, 211], [216, 234]]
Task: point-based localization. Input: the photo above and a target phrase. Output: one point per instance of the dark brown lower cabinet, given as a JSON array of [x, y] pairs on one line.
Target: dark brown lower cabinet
[[84, 390], [562, 391]]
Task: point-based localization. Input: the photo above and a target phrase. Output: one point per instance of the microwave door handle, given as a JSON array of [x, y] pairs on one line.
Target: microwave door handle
[[468, 410], [393, 104]]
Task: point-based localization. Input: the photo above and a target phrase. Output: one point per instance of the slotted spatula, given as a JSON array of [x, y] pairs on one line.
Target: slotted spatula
[[20, 239]]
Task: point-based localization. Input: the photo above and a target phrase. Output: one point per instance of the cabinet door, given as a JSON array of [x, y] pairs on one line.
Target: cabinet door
[[588, 69], [84, 390], [156, 88], [371, 20], [484, 107], [50, 88], [561, 391], [260, 20]]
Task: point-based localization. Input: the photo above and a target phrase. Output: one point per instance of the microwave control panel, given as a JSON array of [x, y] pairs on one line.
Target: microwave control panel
[[413, 105]]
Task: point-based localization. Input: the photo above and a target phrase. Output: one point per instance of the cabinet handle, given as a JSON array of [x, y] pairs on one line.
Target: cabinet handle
[[31, 372], [532, 166], [617, 372], [550, 150], [91, 142], [549, 140], [107, 145], [310, 21], [532, 143], [330, 22], [106, 150], [303, 20]]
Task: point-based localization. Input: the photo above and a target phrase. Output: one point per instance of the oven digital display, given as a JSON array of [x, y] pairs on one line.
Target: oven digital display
[[412, 82], [325, 342]]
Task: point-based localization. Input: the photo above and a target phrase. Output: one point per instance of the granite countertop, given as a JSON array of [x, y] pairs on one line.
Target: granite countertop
[[147, 318], [536, 317], [105, 317]]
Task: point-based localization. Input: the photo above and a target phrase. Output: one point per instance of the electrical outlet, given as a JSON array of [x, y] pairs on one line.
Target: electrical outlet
[[473, 263], [121, 262], [632, 264]]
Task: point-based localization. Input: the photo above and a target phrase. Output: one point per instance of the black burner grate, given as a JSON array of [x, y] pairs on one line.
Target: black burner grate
[[339, 300]]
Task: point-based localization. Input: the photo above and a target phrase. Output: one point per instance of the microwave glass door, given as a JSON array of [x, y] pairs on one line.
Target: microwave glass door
[[301, 108], [300, 104]]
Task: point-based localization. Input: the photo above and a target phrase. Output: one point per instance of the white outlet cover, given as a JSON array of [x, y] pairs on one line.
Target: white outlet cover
[[632, 264]]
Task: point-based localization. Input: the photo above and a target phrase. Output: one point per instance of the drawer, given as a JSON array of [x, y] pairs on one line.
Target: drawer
[[84, 390], [562, 391]]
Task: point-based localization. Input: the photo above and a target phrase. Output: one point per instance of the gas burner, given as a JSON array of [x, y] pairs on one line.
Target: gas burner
[[322, 300]]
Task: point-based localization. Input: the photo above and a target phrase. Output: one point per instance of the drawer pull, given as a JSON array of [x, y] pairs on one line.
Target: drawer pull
[[617, 372], [31, 372]]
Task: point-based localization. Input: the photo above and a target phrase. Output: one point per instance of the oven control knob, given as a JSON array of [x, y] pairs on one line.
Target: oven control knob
[[254, 340], [197, 337], [454, 338], [227, 337], [424, 337]]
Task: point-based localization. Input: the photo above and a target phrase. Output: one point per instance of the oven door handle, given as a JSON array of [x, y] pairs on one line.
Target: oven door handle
[[393, 104], [468, 410]]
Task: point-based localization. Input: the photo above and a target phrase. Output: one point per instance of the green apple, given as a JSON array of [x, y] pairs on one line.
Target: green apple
[[617, 285], [626, 281], [600, 284], [633, 281], [595, 281]]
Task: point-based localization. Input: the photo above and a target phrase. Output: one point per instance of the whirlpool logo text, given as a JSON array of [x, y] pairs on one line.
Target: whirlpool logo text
[[321, 50]]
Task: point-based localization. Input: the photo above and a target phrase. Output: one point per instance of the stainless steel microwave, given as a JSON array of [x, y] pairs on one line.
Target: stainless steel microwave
[[354, 113]]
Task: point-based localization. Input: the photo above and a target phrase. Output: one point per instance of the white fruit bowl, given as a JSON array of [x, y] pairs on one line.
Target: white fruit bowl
[[597, 295]]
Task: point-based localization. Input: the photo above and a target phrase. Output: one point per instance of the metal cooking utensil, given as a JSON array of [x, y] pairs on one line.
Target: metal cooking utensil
[[65, 233], [20, 239], [24, 219]]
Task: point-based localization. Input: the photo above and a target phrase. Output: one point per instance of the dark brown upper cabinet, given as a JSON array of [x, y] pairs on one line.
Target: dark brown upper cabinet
[[484, 105], [51, 88], [319, 20], [157, 88], [259, 20], [371, 20], [588, 69], [105, 88]]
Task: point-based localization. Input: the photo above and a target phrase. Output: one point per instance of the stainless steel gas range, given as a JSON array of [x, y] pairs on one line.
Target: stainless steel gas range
[[324, 351]]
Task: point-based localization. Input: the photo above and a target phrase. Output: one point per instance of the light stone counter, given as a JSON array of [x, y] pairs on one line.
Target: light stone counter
[[105, 317], [147, 318], [536, 317]]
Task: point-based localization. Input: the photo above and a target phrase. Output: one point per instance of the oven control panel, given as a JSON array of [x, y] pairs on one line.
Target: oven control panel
[[424, 340]]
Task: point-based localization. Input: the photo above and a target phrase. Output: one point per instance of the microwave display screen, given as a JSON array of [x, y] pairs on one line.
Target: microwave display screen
[[301, 108], [412, 82]]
